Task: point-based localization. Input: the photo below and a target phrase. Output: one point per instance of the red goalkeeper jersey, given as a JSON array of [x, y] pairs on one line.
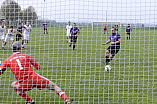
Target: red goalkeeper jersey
[[20, 65]]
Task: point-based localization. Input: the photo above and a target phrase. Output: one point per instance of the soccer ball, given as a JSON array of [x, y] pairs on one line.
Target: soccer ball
[[108, 68]]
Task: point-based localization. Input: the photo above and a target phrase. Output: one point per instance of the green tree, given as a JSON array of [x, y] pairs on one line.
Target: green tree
[[10, 11], [29, 14]]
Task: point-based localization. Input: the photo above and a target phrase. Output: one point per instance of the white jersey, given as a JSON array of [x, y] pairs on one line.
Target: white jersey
[[11, 32], [2, 29], [28, 28], [68, 28]]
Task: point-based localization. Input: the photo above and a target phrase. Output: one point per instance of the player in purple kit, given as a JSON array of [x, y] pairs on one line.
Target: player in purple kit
[[74, 31], [115, 40], [45, 27], [116, 27], [128, 31], [19, 35]]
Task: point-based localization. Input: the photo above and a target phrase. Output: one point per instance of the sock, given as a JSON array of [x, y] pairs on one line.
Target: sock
[[63, 95], [127, 38], [73, 47], [69, 40], [107, 58], [22, 42], [25, 45], [2, 44], [44, 32], [24, 95]]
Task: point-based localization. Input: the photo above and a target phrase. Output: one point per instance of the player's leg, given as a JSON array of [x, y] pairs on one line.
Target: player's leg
[[46, 31], [26, 36], [5, 41], [12, 41], [129, 35], [16, 86], [114, 51], [71, 42], [107, 55], [17, 39], [46, 83], [104, 30], [74, 42], [69, 38], [2, 38]]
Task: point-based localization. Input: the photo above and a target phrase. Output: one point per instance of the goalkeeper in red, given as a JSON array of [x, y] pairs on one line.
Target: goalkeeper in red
[[27, 78]]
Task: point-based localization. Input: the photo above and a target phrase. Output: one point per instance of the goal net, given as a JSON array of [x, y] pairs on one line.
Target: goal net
[[81, 72], [100, 24]]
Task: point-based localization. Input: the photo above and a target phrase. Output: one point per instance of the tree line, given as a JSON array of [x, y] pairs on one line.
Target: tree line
[[12, 13]]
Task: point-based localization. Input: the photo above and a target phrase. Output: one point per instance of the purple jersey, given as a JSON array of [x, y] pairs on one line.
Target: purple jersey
[[19, 29], [116, 26], [74, 32], [128, 29], [45, 25], [115, 38]]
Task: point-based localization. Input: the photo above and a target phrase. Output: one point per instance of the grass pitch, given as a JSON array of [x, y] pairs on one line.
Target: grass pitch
[[81, 74]]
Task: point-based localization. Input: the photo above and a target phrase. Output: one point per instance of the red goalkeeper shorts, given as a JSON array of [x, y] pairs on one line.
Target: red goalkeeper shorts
[[34, 80]]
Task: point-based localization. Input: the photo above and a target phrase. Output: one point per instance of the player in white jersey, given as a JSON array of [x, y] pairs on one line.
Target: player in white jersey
[[2, 33], [67, 31], [10, 36], [26, 33]]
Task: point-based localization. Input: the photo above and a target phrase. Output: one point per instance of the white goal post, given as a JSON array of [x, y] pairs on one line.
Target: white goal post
[[101, 23]]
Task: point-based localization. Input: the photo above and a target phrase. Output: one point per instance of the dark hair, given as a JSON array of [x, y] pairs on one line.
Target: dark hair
[[114, 28], [128, 24], [11, 26], [75, 23], [19, 23], [15, 49]]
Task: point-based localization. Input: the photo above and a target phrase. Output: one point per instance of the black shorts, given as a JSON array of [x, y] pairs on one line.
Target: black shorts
[[112, 50], [18, 37], [45, 29], [116, 29], [105, 29], [128, 33], [74, 40]]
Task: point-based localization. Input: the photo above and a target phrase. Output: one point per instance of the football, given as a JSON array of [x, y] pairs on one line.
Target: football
[[108, 68]]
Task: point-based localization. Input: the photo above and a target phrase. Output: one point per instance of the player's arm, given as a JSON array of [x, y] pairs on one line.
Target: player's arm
[[33, 62], [107, 42], [3, 67], [10, 33], [65, 30], [78, 32], [18, 32], [25, 28], [119, 40]]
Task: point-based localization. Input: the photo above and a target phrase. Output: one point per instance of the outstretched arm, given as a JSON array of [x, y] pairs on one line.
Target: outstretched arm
[[106, 42], [3, 67], [33, 62]]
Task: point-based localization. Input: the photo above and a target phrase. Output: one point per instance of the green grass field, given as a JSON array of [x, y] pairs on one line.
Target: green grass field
[[81, 74]]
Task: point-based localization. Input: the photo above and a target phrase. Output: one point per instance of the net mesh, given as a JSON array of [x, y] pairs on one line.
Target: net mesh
[[80, 72]]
